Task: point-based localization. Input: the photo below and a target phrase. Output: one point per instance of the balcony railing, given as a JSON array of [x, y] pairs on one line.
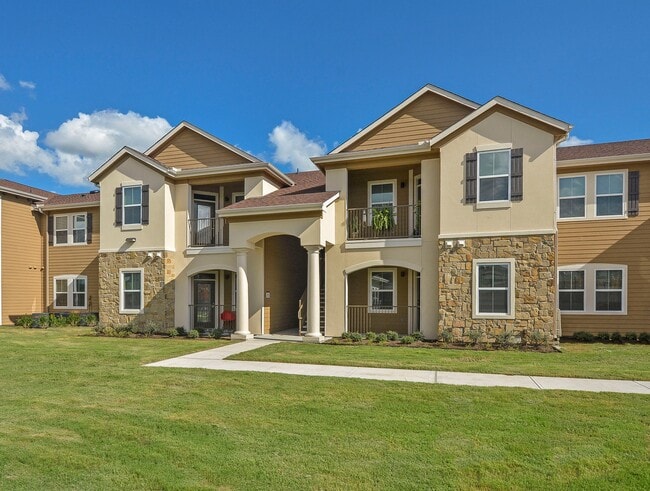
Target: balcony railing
[[207, 232], [387, 222], [367, 318], [205, 317]]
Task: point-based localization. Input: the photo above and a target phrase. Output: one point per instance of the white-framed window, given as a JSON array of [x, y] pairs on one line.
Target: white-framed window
[[493, 176], [132, 205], [70, 292], [572, 196], [382, 290], [609, 194], [131, 291], [571, 288], [493, 288], [70, 229], [597, 288], [237, 197]]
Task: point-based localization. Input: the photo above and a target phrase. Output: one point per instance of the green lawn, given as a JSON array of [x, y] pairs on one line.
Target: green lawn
[[80, 412], [610, 361]]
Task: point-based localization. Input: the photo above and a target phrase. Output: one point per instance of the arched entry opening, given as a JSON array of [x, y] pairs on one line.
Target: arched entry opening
[[213, 303]]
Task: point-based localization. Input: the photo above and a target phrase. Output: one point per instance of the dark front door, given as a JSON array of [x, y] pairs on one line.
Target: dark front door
[[204, 307]]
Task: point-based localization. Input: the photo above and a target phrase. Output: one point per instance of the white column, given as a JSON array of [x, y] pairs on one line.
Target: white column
[[313, 292], [242, 331]]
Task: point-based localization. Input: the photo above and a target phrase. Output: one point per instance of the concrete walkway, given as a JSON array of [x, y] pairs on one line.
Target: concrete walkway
[[214, 359]]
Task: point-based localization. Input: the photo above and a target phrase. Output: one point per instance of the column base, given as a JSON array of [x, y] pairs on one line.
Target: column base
[[314, 338], [242, 335]]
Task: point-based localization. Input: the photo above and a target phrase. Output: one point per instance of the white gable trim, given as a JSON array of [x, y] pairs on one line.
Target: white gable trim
[[154, 164]]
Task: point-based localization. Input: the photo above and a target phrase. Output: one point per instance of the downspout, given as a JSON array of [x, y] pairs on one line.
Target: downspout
[[46, 258], [557, 315]]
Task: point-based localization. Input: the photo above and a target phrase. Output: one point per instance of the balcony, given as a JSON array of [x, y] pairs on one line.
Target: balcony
[[405, 319], [389, 222], [207, 232]]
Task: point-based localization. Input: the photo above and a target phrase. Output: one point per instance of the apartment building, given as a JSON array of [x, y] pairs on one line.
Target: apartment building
[[441, 214]]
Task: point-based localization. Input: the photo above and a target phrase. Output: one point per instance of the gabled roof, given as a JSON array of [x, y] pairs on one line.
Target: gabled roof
[[600, 150], [185, 125], [13, 187], [424, 90], [153, 163]]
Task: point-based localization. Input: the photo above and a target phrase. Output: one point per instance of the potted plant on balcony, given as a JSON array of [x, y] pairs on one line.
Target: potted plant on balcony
[[382, 219]]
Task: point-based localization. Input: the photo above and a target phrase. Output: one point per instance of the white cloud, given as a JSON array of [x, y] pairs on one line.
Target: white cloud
[[572, 141], [78, 146], [27, 85], [293, 147], [4, 84]]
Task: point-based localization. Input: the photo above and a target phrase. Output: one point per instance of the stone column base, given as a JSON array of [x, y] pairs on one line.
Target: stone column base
[[244, 337], [314, 339]]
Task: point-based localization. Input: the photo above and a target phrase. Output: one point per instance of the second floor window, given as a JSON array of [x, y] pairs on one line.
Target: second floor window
[[381, 195], [572, 197], [609, 194], [70, 229], [494, 176], [132, 207]]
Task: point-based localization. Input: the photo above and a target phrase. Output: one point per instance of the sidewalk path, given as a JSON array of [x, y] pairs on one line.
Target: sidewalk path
[[214, 359]]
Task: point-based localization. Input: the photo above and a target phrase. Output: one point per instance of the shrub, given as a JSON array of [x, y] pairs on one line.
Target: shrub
[[24, 321], [538, 337], [417, 336], [616, 337], [371, 336], [74, 319], [446, 335], [644, 338], [43, 321], [392, 336], [407, 340], [475, 335], [504, 338], [346, 335], [603, 337], [217, 333], [381, 338], [356, 337], [149, 328], [630, 337], [172, 332], [584, 337], [193, 334], [89, 320], [181, 331]]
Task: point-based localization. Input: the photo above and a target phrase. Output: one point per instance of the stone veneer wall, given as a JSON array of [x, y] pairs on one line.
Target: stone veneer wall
[[158, 288], [535, 268]]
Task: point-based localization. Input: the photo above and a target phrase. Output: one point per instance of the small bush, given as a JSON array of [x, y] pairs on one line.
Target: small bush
[[43, 321], [24, 321], [181, 331], [356, 337], [74, 319], [381, 338], [371, 336], [583, 337], [630, 337], [392, 336], [193, 334], [616, 337], [217, 333], [417, 335], [538, 337], [447, 336], [504, 338], [149, 328], [407, 340], [89, 320], [603, 337], [172, 332], [644, 338], [346, 335], [475, 335]]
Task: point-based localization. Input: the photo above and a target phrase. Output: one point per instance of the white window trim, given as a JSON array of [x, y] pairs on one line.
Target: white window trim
[[372, 310], [235, 195], [584, 290], [493, 203], [590, 288], [623, 195], [130, 226], [590, 198], [393, 182], [70, 230], [511, 288], [70, 279], [121, 291], [559, 199]]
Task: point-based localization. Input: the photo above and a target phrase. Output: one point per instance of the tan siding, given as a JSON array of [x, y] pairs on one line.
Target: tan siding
[[422, 119], [189, 150], [615, 241], [77, 260], [23, 261]]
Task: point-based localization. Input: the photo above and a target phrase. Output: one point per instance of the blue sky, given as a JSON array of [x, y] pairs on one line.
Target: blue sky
[[241, 69]]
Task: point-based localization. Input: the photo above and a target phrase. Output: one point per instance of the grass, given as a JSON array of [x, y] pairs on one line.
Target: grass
[[629, 362], [80, 412]]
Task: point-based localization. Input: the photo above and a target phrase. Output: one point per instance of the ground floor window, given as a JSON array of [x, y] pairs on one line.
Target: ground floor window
[[131, 291], [70, 292], [593, 288], [571, 287], [382, 291], [493, 292]]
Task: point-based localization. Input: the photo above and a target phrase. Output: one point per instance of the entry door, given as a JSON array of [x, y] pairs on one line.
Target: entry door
[[204, 308]]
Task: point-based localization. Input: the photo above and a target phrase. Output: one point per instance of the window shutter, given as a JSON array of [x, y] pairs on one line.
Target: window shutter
[[470, 177], [517, 174], [118, 206], [89, 228], [50, 230], [145, 204], [633, 193]]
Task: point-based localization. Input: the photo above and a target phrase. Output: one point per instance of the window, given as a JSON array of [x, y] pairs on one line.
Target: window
[[493, 292], [381, 194], [609, 194], [132, 208], [609, 290], [70, 229], [494, 176], [572, 290], [572, 197], [70, 292], [131, 291], [237, 197], [382, 292]]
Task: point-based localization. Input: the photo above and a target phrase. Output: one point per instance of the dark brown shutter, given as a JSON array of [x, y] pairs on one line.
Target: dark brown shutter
[[470, 177], [517, 174], [118, 206], [89, 228], [50, 230], [145, 204], [633, 193]]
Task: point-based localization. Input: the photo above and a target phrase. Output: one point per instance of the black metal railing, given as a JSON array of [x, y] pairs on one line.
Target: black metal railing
[[367, 318], [207, 232], [205, 317], [384, 222]]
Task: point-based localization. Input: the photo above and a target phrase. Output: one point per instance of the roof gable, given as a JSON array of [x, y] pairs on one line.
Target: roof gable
[[423, 115], [189, 147], [129, 152]]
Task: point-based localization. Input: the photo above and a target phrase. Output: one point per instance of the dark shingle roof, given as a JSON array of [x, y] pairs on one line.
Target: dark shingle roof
[[23, 188], [91, 197], [612, 149]]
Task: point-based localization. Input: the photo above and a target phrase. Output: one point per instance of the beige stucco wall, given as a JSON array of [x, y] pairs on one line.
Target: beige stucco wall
[[535, 212]]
